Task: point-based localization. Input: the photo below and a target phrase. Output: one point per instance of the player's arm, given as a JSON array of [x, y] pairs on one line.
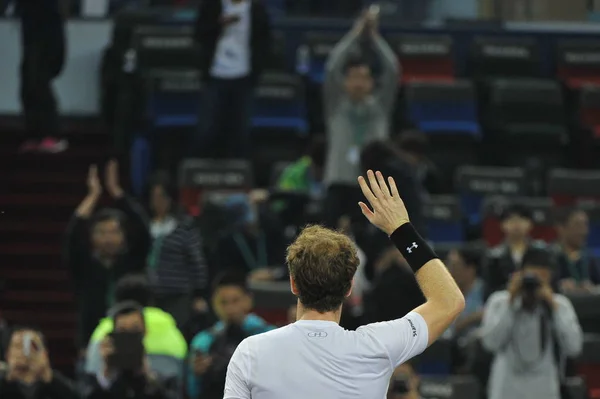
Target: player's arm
[[236, 381], [444, 300]]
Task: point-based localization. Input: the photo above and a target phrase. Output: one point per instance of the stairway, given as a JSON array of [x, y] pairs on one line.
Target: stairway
[[38, 194]]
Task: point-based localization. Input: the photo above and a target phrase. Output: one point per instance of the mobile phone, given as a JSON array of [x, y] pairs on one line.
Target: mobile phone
[[129, 351]]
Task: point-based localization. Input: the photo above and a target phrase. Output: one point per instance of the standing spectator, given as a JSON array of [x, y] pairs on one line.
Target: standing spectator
[[43, 41], [357, 108], [176, 263], [531, 330], [578, 270], [29, 374], [104, 246], [463, 263], [500, 262], [117, 380], [166, 348], [212, 348], [235, 41]]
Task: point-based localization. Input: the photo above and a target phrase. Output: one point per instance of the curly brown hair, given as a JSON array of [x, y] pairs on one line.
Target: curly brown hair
[[322, 263]]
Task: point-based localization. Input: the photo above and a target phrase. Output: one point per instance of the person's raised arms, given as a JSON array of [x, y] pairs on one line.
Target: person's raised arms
[[444, 300]]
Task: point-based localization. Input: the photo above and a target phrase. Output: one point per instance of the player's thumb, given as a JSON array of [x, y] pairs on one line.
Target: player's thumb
[[366, 211]]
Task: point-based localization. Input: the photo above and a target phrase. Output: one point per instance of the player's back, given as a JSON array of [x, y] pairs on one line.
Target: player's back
[[319, 359]]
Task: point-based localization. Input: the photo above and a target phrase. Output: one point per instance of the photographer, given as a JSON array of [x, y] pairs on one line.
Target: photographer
[[531, 330], [212, 349], [126, 371], [28, 374], [404, 383]]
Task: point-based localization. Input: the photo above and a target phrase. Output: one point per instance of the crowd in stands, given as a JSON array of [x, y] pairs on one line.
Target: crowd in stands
[[164, 297]]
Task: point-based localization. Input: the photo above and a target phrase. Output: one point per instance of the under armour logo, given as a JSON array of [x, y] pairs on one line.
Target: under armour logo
[[410, 249], [317, 334]]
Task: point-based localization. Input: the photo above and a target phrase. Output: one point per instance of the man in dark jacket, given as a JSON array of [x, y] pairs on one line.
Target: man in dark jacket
[[103, 247], [28, 374], [234, 38]]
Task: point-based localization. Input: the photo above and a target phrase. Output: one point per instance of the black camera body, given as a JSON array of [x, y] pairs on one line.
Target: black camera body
[[530, 283]]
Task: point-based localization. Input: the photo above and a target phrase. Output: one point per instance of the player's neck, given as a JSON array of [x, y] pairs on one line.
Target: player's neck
[[309, 314]]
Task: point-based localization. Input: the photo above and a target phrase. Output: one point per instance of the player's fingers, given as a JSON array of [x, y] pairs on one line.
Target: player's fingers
[[374, 185], [382, 184], [393, 187], [366, 190], [366, 211]]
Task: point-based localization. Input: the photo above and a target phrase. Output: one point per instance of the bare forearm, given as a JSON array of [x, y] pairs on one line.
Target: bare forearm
[[87, 206], [439, 286]]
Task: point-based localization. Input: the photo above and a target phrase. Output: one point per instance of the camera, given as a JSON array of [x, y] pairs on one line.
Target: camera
[[530, 283], [400, 386]]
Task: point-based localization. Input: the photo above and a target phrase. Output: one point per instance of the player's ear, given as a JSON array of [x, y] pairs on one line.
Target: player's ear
[[293, 286], [350, 290]]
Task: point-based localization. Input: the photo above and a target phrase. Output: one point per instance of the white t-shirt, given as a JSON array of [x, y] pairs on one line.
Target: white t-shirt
[[320, 360], [232, 56]]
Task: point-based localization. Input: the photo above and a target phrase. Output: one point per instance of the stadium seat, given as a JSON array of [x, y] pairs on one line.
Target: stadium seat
[[525, 115], [593, 211], [160, 47], [569, 186], [475, 183], [443, 107], [173, 98], [589, 108], [424, 57], [280, 104], [278, 61], [497, 57], [452, 387], [320, 45], [444, 220], [579, 62], [541, 211]]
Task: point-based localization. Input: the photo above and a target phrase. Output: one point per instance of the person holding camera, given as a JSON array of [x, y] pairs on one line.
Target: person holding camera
[[126, 370], [28, 374], [531, 330], [404, 383]]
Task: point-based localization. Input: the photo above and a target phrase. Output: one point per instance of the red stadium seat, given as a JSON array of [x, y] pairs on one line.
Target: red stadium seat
[[579, 62], [424, 57], [570, 186]]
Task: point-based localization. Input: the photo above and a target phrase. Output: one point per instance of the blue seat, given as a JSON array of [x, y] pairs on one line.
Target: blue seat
[[174, 100], [280, 104], [320, 45], [141, 161], [443, 108], [444, 220]]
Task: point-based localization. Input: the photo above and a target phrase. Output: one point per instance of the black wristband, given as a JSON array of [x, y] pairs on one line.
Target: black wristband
[[412, 246]]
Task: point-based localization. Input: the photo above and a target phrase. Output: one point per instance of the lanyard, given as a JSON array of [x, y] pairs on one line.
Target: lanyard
[[253, 262], [360, 125], [578, 269], [154, 253]]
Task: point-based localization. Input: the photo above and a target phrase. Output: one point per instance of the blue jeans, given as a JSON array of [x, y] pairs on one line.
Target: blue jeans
[[224, 125]]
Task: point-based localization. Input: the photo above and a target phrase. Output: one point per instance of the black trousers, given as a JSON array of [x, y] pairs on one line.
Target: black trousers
[[42, 61]]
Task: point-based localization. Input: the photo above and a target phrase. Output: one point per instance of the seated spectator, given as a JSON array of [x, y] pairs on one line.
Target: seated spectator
[[578, 270], [125, 367], [164, 344], [28, 373], [103, 246], [357, 109], [500, 262], [404, 383], [413, 145], [212, 348], [463, 263], [176, 263], [531, 330], [251, 246], [306, 174]]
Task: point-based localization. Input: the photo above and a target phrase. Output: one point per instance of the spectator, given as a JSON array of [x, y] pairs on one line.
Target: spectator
[[578, 270], [103, 247], [413, 145], [212, 348], [531, 330], [43, 38], [235, 40], [176, 263], [165, 346], [464, 264], [306, 174], [251, 246], [125, 369], [357, 110], [29, 374], [500, 262], [404, 383]]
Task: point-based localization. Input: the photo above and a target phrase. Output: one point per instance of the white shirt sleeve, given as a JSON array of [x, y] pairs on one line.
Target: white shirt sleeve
[[403, 338], [236, 382]]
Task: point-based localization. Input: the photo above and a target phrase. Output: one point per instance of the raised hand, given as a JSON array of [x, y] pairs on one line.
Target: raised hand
[[388, 210], [93, 182], [112, 179]]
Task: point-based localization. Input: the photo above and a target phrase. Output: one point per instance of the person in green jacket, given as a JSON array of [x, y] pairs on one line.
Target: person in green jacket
[[306, 174], [165, 345]]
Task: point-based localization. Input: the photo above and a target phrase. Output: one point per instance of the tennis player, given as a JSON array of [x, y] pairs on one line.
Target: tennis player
[[314, 357]]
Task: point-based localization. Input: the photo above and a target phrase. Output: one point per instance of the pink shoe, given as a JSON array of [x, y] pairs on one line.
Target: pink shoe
[[30, 146], [53, 146]]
